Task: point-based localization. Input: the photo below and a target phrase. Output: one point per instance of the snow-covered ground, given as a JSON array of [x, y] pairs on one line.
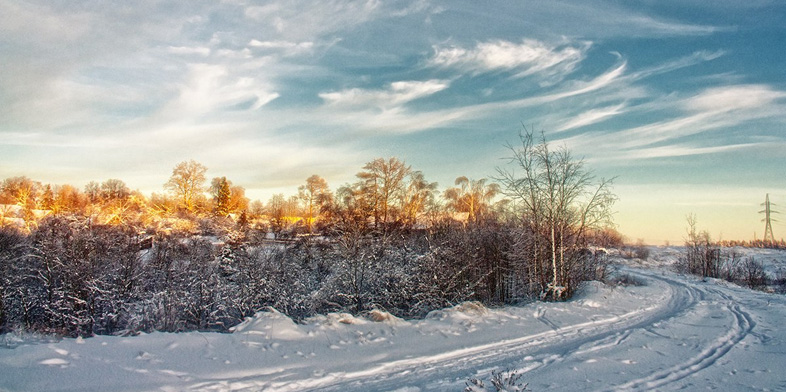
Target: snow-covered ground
[[675, 332]]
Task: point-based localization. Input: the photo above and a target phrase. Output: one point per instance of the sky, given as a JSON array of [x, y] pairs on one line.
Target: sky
[[683, 102]]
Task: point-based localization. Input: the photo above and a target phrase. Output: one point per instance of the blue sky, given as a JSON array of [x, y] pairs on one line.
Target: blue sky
[[684, 101]]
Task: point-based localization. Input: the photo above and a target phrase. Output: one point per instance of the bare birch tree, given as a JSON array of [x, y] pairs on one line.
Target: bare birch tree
[[561, 201], [187, 183]]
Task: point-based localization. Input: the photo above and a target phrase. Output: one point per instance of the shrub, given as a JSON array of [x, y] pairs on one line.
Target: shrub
[[500, 382], [751, 273]]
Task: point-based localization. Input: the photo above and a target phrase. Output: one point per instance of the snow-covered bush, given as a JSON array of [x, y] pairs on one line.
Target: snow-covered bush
[[500, 382]]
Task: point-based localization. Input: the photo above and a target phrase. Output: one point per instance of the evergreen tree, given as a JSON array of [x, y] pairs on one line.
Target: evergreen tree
[[222, 194]]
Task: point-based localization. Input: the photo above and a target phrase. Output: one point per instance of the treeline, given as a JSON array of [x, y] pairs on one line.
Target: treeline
[[388, 195], [765, 244], [109, 260]]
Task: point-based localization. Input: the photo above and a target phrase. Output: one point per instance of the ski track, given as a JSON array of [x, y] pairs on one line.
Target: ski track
[[542, 350], [742, 326]]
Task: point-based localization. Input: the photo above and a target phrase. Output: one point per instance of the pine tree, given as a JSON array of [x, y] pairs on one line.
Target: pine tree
[[222, 194]]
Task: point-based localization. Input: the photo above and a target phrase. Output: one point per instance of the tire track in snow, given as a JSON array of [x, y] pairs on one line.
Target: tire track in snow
[[549, 347], [743, 325], [553, 346]]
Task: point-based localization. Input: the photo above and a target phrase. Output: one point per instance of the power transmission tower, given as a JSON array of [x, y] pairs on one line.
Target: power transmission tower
[[767, 211]]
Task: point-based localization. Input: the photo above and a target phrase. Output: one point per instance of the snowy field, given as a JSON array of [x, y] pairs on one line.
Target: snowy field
[[672, 333]]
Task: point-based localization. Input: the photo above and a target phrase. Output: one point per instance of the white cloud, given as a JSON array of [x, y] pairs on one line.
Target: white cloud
[[675, 150], [663, 27], [527, 58], [385, 109], [211, 88], [711, 109], [187, 50], [591, 116], [397, 94], [281, 44], [682, 62], [603, 19], [737, 97], [576, 88]]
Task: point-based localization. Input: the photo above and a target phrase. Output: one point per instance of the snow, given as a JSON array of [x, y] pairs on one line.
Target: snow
[[675, 332]]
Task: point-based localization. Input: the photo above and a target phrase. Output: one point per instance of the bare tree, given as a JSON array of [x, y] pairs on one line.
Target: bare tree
[[382, 182], [702, 257], [238, 201], [419, 194], [472, 197], [114, 189], [283, 213], [187, 183], [315, 195], [21, 191], [561, 203]]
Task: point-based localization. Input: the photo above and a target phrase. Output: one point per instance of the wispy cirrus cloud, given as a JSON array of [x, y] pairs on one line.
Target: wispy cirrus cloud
[[756, 98], [694, 58], [288, 47], [674, 150], [212, 87], [601, 19], [395, 95], [712, 109], [387, 109], [189, 50], [629, 87], [525, 58], [591, 116]]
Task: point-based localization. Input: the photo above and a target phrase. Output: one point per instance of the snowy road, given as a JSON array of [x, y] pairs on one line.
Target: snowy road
[[673, 333], [589, 355]]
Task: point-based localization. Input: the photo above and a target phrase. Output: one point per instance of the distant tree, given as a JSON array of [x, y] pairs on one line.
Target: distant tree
[[21, 191], [237, 199], [93, 192], [13, 247], [68, 199], [418, 196], [221, 193], [114, 189], [315, 195], [352, 210], [702, 255], [382, 185], [751, 272], [242, 221], [282, 212], [472, 197], [256, 209], [47, 201], [187, 183]]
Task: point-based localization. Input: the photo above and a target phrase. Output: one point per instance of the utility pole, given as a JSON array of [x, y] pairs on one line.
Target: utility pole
[[767, 211]]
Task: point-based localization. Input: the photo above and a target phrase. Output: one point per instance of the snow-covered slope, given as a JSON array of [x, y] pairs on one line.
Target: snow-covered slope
[[675, 332]]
